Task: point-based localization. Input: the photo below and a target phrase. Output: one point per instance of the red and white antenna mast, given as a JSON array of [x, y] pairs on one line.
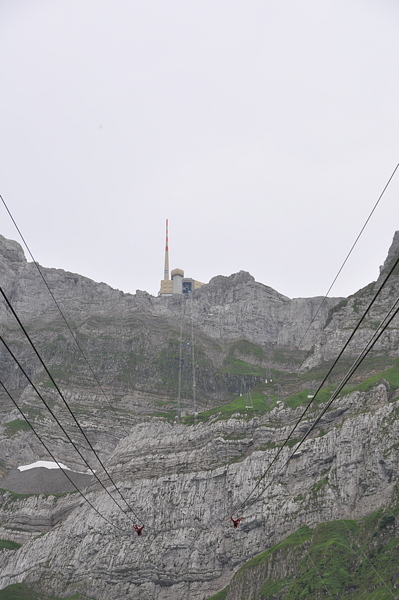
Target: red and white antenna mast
[[166, 271]]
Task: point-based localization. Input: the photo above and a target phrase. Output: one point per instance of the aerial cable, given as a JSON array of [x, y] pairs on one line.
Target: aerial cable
[[56, 461], [64, 431], [369, 345], [322, 383], [63, 399], [358, 361], [193, 361], [62, 313], [183, 306], [324, 380], [185, 298], [344, 263], [391, 314]]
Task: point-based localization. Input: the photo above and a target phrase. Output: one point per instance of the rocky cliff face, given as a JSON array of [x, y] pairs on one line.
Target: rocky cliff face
[[132, 343], [182, 480], [344, 316]]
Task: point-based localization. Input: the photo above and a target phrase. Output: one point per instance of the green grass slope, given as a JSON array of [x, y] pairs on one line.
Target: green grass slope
[[356, 560], [264, 396], [20, 591]]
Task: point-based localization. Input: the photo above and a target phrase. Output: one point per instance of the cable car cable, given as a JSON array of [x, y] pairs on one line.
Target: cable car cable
[[370, 344], [319, 388], [67, 435], [179, 380], [193, 365], [62, 313], [324, 380], [344, 263], [63, 399], [55, 460], [60, 393]]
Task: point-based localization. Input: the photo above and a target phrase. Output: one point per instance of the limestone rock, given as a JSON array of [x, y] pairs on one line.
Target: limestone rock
[[183, 481]]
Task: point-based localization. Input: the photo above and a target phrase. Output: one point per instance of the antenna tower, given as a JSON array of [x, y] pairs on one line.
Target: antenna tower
[[166, 269]]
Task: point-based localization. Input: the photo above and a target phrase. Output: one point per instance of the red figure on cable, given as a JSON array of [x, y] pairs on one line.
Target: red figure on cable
[[138, 530], [236, 522]]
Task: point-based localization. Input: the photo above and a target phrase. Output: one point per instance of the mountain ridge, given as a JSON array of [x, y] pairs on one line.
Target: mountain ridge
[[186, 478]]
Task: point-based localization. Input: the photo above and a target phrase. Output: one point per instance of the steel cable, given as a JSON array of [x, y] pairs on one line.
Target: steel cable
[[323, 382], [55, 460], [64, 401]]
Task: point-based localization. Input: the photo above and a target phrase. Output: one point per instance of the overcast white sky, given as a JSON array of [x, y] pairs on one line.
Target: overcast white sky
[[265, 131]]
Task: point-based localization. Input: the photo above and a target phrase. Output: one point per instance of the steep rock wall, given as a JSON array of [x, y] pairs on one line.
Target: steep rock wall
[[185, 483]]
